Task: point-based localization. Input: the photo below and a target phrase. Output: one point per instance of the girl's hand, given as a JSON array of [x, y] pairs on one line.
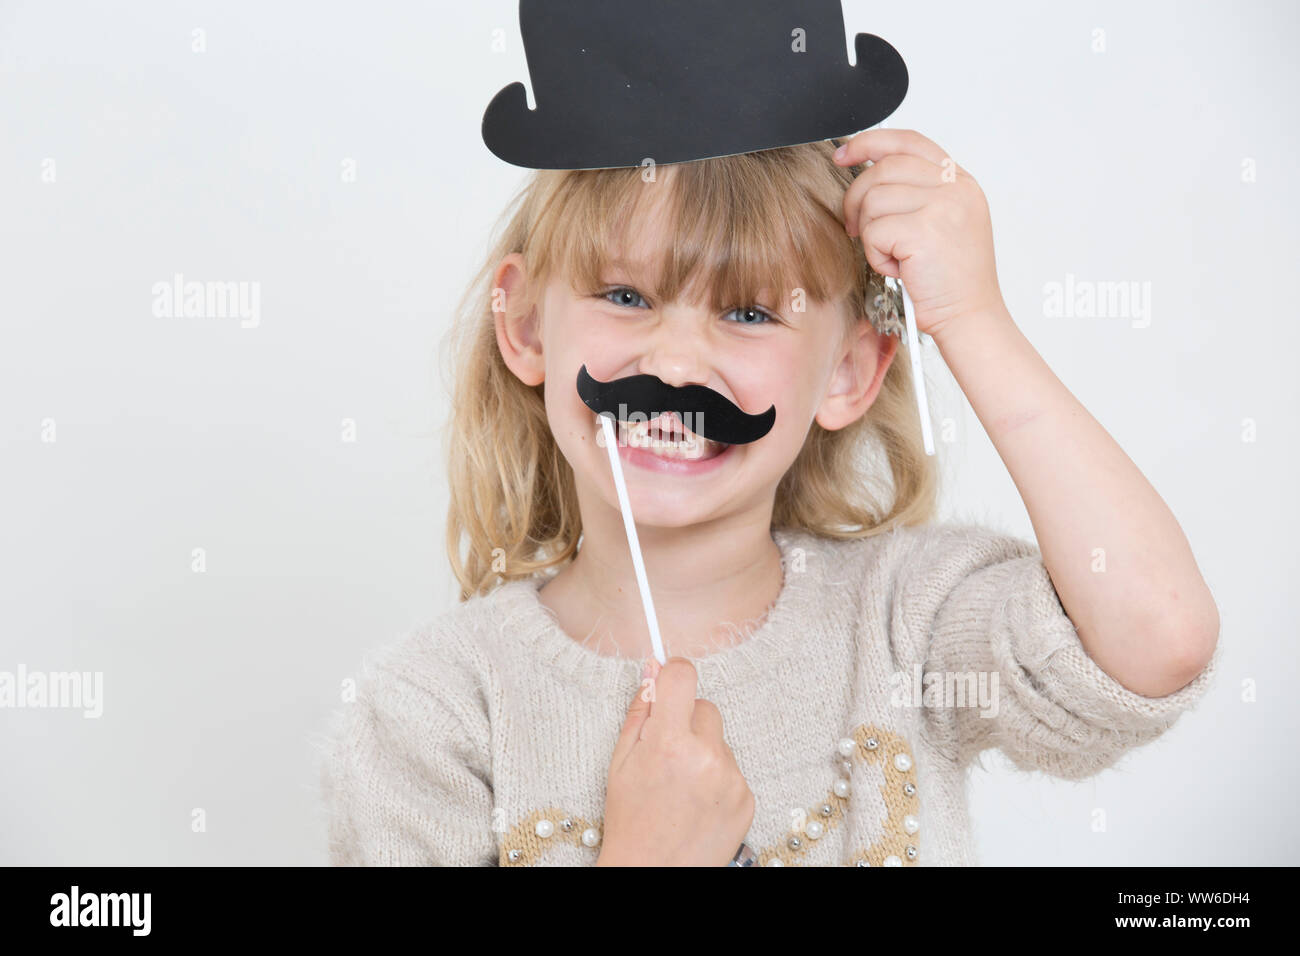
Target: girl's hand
[[922, 219], [675, 796]]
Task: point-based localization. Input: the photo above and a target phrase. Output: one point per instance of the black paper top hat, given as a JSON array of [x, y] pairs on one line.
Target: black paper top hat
[[617, 82]]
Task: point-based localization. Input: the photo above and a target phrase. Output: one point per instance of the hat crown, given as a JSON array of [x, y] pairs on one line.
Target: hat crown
[[629, 53]]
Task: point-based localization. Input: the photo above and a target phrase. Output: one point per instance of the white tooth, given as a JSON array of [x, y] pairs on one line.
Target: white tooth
[[681, 447]]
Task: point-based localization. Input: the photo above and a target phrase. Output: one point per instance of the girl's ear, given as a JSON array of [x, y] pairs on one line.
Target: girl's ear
[[517, 327], [856, 380]]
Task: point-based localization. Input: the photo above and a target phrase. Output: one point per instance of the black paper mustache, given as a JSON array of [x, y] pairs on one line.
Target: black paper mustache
[[703, 411]]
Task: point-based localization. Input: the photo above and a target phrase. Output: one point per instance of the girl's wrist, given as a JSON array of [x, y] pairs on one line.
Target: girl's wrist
[[980, 325]]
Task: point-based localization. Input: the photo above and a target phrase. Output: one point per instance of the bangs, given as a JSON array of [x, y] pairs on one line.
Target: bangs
[[740, 230]]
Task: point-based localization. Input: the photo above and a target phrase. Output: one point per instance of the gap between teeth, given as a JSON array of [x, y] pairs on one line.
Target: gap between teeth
[[640, 433]]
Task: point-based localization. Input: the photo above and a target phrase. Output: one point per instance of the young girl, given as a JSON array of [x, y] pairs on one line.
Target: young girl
[[837, 659]]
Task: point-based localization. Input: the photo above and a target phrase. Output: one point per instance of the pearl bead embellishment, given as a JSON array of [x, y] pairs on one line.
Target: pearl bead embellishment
[[896, 760], [883, 750]]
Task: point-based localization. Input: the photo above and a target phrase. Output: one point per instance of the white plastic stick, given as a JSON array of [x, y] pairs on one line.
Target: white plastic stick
[[625, 506], [918, 376]]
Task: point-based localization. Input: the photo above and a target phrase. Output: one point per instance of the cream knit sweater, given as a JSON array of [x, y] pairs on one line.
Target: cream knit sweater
[[485, 737]]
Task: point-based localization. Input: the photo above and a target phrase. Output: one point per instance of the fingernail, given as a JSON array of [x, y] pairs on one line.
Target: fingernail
[[840, 153]]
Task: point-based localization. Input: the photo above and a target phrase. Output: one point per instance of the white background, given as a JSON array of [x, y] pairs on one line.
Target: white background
[[175, 434]]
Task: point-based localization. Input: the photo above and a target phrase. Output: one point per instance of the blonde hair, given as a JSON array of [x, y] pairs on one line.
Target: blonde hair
[[771, 219]]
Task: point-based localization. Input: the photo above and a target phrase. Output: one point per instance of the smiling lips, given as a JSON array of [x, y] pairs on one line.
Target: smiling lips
[[666, 437]]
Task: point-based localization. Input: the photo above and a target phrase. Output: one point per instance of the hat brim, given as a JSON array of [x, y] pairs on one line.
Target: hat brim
[[674, 123]]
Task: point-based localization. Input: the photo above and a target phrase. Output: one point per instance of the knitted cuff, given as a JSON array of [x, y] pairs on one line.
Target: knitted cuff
[[1037, 645]]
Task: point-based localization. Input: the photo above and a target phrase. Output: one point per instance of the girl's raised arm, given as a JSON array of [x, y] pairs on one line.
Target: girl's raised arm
[[1119, 561]]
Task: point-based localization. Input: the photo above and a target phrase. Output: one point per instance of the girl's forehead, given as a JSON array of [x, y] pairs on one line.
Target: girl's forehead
[[687, 240]]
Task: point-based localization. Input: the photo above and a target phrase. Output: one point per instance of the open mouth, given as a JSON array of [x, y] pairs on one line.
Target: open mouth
[[666, 437]]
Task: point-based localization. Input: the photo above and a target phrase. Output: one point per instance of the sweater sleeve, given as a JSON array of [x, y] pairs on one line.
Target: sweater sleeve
[[991, 609], [406, 781]]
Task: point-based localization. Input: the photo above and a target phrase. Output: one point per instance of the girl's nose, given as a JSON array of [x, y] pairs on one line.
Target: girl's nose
[[676, 371], [678, 355]]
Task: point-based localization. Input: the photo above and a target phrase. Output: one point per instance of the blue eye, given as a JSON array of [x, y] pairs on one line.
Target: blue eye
[[623, 294], [629, 297], [758, 316]]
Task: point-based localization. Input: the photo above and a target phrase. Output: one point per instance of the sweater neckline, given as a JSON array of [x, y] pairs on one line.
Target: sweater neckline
[[791, 620]]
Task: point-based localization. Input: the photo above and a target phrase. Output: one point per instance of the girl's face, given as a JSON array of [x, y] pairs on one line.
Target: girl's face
[[759, 355]]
